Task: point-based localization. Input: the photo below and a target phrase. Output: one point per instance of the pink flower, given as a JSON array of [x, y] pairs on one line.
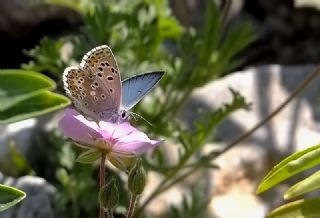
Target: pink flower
[[116, 139]]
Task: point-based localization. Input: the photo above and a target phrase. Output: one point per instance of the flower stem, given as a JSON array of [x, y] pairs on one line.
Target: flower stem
[[132, 205], [109, 213], [102, 180]]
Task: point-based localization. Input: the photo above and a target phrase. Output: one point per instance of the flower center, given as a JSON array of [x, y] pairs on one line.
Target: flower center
[[104, 144]]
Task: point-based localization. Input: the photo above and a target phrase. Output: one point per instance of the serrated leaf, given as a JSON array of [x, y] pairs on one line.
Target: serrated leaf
[[18, 85], [307, 208], [89, 156], [36, 105], [290, 166], [10, 196], [307, 185]]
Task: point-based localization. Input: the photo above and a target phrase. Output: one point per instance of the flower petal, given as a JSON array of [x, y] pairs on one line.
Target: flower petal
[[115, 131], [75, 126], [135, 143]]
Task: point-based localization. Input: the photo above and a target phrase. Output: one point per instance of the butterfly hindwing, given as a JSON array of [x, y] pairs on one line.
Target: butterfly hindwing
[[98, 80], [136, 87]]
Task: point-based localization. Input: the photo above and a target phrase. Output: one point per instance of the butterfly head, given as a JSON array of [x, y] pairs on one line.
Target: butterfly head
[[121, 116]]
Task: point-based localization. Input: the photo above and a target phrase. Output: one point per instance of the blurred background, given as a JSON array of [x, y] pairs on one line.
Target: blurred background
[[228, 65]]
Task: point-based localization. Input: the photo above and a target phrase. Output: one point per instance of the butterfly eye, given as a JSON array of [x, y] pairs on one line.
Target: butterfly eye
[[123, 114]]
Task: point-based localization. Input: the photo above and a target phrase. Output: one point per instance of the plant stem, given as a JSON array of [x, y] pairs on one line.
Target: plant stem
[[225, 12], [132, 205], [102, 180], [109, 213]]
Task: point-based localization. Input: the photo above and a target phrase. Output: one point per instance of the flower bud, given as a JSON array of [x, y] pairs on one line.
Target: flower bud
[[109, 195], [137, 178]]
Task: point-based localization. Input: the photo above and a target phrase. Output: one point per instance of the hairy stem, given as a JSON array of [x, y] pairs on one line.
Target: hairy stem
[[132, 205], [102, 180], [109, 213]]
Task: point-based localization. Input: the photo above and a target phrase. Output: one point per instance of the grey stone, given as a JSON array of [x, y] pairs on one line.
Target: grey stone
[[243, 167], [39, 200]]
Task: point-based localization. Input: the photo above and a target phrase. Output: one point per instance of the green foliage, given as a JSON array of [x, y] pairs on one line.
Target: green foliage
[[290, 166], [19, 85], [145, 36], [308, 208], [47, 56], [36, 105], [9, 196], [307, 185], [26, 94], [74, 182]]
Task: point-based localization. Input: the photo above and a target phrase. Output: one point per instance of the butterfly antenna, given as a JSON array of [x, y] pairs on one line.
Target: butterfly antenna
[[132, 113]]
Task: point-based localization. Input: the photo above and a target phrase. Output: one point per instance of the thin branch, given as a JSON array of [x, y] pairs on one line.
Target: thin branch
[[102, 180], [225, 12], [132, 205], [294, 94]]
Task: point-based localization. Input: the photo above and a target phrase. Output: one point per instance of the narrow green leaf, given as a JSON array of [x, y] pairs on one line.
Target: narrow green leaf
[[307, 208], [10, 196], [36, 105], [89, 156], [18, 85], [307, 185], [290, 166]]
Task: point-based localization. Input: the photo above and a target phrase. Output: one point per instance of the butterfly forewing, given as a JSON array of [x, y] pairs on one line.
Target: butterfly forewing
[[135, 88], [95, 87]]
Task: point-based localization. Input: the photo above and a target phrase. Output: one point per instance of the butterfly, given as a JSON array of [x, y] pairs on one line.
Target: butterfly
[[96, 90]]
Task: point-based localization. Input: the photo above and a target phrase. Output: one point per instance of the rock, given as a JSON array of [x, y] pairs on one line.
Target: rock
[[20, 136], [242, 167], [39, 201], [24, 23]]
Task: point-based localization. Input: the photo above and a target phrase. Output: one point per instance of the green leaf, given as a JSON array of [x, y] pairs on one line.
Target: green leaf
[[290, 166], [308, 208], [18, 85], [307, 185], [89, 156], [10, 196], [36, 105]]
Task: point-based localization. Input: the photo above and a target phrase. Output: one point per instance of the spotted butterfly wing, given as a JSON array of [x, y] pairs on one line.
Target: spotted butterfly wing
[[95, 86], [136, 87]]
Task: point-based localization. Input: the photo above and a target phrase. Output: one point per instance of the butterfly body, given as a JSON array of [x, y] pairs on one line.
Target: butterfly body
[[96, 89]]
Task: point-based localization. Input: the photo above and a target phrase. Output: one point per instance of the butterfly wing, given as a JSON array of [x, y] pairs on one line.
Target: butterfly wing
[[95, 87], [136, 87]]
